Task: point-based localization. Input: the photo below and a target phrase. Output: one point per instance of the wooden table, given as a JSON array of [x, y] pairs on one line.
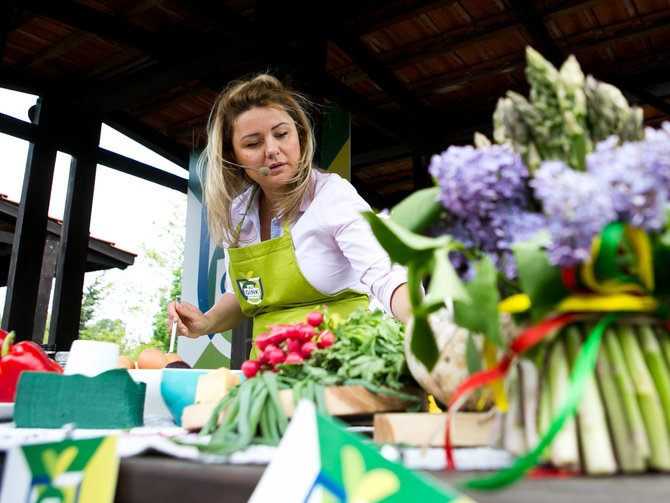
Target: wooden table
[[170, 480]]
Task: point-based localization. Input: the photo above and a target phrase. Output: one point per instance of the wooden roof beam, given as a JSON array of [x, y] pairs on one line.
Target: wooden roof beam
[[166, 75], [382, 77], [31, 133], [486, 29], [373, 116], [94, 21], [149, 137]]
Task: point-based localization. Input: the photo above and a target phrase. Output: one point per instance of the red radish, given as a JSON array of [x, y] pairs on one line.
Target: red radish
[[305, 332], [326, 339], [270, 347], [264, 357], [293, 345], [307, 348], [250, 368], [262, 340], [277, 356], [278, 334], [291, 331], [293, 357], [315, 318]]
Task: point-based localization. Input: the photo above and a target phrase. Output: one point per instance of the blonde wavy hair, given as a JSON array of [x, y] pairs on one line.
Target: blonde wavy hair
[[222, 180]]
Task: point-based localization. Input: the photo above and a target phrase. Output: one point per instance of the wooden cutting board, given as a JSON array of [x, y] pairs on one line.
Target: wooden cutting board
[[340, 401], [353, 401], [423, 429]]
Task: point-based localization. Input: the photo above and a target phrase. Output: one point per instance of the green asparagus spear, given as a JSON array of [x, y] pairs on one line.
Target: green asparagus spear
[[657, 366], [597, 451], [650, 404], [626, 390], [564, 449], [629, 457]]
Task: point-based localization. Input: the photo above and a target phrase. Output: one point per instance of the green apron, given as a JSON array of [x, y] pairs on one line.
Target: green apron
[[271, 288]]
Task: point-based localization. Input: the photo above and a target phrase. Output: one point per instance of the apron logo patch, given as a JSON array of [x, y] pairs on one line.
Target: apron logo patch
[[251, 289]]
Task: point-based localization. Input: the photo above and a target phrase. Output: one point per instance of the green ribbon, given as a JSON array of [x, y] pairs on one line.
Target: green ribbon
[[582, 369], [605, 265]]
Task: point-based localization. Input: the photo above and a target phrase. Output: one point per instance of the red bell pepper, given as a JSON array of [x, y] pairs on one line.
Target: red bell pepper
[[15, 358]]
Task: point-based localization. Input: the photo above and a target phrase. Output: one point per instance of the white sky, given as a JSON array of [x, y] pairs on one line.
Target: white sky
[[127, 211]]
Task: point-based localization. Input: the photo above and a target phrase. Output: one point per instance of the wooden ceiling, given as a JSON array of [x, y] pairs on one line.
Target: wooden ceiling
[[416, 76]]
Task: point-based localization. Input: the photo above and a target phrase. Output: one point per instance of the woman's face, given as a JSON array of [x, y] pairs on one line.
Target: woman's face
[[267, 137]]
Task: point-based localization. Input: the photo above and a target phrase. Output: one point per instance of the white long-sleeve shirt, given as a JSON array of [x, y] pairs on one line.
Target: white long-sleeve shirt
[[334, 245]]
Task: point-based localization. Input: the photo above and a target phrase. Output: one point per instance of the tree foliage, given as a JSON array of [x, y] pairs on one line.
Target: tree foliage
[[161, 333], [171, 259], [91, 299], [107, 330], [165, 258]]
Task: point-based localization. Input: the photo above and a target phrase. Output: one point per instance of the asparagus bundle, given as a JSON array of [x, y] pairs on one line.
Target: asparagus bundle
[[622, 421], [565, 115]]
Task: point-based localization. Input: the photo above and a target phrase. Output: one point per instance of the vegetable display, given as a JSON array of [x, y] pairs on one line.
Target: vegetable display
[[16, 358], [559, 223], [366, 350]]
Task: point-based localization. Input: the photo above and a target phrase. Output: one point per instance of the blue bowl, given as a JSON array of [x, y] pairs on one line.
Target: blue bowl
[[178, 389]]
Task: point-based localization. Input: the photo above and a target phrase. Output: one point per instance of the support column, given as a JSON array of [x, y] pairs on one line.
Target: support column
[[25, 264], [73, 248], [240, 344], [49, 261]]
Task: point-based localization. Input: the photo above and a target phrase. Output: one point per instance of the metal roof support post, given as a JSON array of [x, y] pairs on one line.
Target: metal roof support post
[[73, 249], [30, 235]]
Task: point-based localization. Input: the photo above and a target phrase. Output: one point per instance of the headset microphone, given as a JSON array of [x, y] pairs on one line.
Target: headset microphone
[[264, 170]]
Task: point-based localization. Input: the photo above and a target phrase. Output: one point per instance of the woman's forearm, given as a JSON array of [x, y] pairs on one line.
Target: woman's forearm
[[400, 304], [224, 315]]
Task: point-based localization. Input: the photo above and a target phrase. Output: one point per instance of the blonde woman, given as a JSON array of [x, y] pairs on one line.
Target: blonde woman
[[293, 235]]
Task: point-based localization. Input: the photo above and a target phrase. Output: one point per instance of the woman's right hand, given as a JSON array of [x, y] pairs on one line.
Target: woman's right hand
[[191, 322]]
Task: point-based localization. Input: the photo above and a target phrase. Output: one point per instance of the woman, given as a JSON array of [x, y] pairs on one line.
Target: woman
[[293, 235]]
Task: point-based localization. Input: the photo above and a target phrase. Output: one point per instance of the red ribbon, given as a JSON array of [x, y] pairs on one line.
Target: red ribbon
[[524, 341], [474, 381], [569, 277]]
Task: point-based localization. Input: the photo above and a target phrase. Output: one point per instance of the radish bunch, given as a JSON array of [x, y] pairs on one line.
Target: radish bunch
[[288, 344]]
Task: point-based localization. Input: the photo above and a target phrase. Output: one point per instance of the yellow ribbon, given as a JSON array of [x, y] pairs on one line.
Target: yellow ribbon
[[497, 385], [608, 303], [645, 262], [639, 241], [514, 304]]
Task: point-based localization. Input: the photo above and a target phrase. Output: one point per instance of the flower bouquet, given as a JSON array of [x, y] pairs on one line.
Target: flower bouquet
[[530, 250]]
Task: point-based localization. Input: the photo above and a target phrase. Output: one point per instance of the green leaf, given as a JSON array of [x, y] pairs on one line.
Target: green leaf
[[423, 344], [473, 357], [661, 261], [417, 211], [481, 314], [403, 246], [539, 280], [444, 282]]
